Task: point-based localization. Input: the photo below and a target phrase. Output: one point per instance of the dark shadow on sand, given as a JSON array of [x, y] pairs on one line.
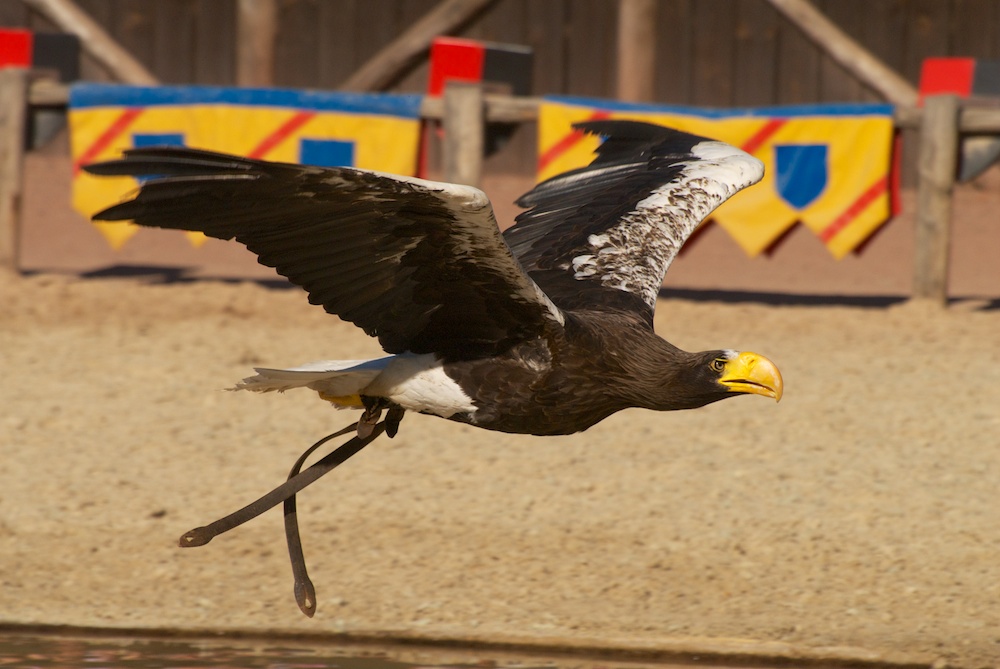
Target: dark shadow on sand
[[169, 275], [781, 299]]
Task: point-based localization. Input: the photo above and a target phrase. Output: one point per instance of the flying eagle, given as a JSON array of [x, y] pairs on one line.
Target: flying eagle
[[545, 329]]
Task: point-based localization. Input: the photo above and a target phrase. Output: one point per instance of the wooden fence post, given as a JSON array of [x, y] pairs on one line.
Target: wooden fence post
[[936, 169], [463, 133], [13, 112], [256, 28], [636, 64]]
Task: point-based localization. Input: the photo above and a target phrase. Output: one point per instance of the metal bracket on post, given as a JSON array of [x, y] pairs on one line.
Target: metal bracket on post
[[464, 132], [936, 173], [13, 115]]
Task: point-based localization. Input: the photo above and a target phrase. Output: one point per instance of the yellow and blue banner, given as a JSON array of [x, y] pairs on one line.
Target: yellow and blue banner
[[366, 130], [827, 166]]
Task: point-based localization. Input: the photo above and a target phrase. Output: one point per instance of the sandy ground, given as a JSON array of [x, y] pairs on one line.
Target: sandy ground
[[857, 517]]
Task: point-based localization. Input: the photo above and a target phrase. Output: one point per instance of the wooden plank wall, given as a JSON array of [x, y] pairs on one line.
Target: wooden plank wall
[[710, 52]]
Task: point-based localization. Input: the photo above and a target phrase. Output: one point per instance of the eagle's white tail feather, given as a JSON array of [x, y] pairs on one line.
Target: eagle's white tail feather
[[330, 377]]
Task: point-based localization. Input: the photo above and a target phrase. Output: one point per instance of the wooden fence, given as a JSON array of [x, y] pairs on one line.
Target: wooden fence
[[707, 52], [465, 110]]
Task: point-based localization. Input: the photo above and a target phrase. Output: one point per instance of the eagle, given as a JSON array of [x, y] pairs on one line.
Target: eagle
[[543, 329]]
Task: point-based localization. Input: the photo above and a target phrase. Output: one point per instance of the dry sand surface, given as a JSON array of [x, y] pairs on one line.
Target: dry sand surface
[[857, 517]]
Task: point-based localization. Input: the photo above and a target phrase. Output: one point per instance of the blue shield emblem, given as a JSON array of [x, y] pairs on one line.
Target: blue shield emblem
[[802, 172]]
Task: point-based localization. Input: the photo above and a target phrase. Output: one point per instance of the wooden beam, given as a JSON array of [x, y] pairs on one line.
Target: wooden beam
[[95, 40], [256, 28], [387, 65], [636, 50], [512, 109], [973, 119], [463, 133], [48, 93], [845, 50], [13, 112], [499, 108], [936, 170]]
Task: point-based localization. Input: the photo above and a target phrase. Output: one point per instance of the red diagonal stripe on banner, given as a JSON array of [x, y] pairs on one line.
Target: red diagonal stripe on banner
[[120, 124], [281, 134], [762, 135], [567, 142], [855, 209]]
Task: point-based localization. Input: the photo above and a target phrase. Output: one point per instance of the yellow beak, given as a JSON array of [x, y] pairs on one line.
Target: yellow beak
[[752, 373]]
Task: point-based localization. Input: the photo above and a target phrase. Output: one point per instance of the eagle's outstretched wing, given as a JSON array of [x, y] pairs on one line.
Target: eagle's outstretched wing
[[604, 235], [418, 264]]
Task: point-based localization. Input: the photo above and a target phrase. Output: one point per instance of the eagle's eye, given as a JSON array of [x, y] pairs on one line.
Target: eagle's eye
[[719, 364]]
